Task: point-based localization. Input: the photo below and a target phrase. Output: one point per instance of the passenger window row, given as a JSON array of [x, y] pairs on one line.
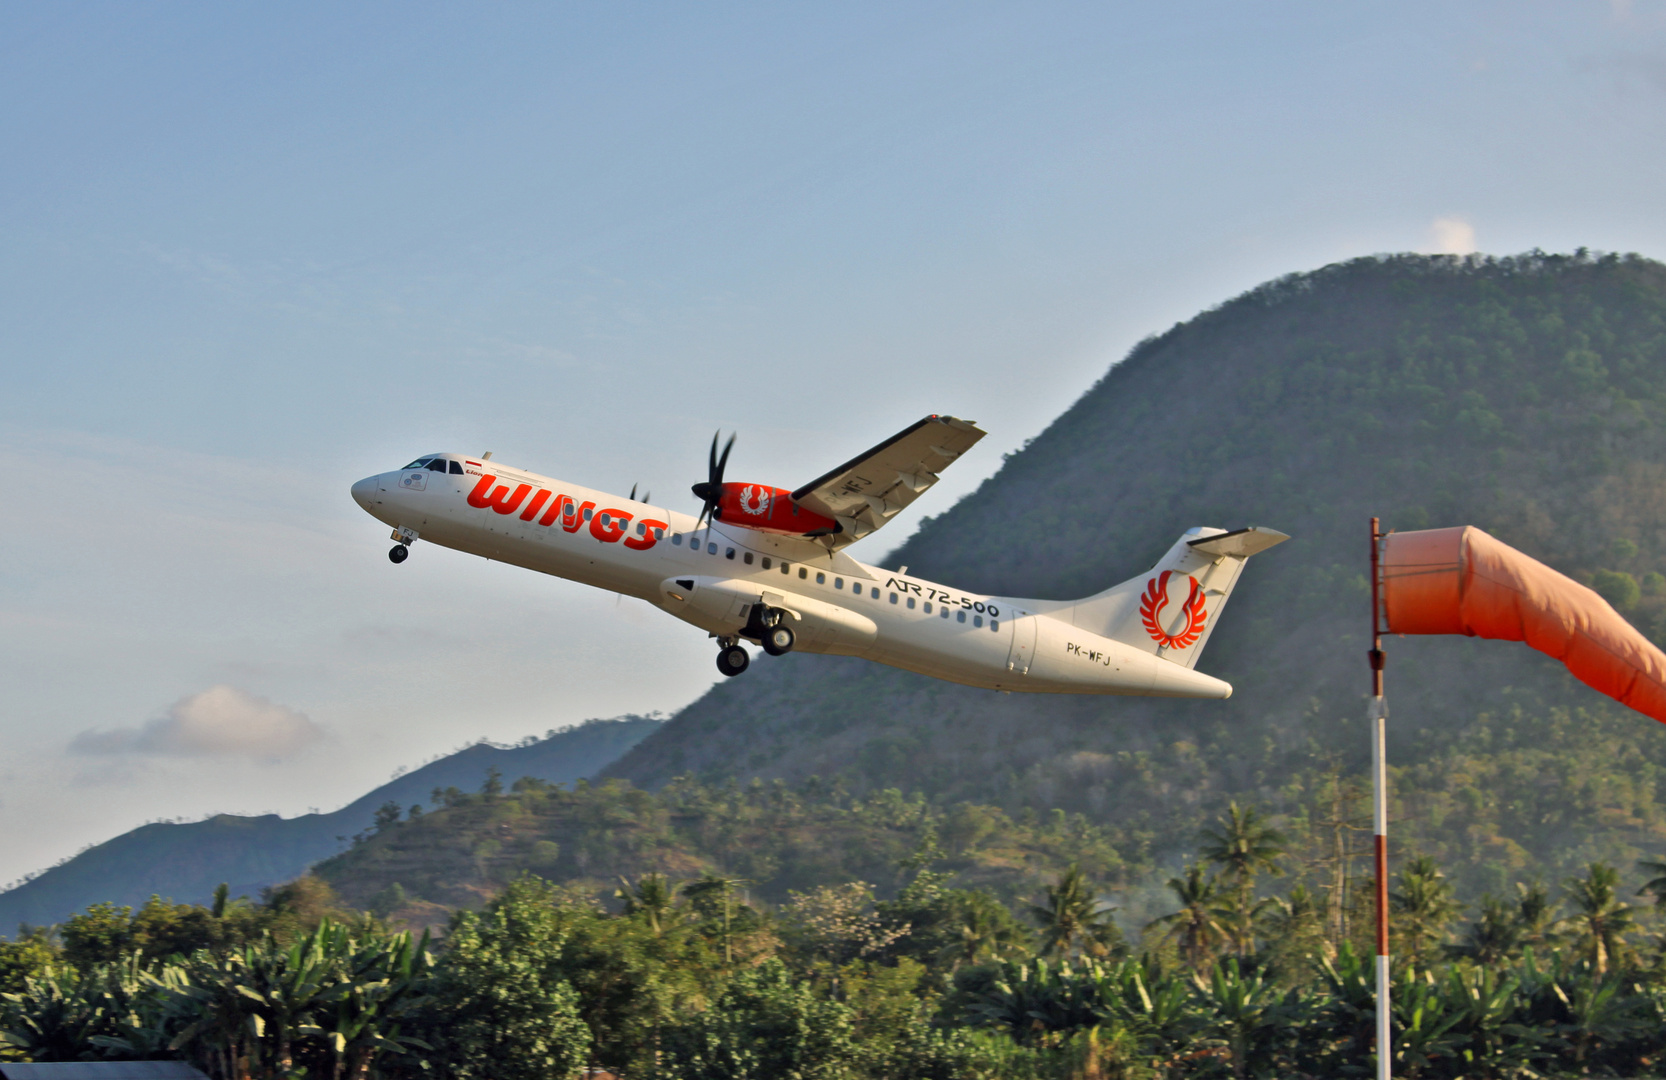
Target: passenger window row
[[821, 579]]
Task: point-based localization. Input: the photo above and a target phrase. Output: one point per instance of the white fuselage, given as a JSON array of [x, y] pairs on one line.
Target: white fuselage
[[710, 578]]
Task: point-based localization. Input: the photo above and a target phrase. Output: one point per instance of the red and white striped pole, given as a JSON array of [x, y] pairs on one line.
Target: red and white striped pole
[[1379, 810]]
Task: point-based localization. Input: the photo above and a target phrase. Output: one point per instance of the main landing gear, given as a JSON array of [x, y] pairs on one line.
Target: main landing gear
[[399, 553], [767, 626], [732, 659], [778, 640]]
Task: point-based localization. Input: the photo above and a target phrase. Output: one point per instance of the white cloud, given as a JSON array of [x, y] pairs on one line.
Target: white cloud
[[1452, 236], [222, 721]]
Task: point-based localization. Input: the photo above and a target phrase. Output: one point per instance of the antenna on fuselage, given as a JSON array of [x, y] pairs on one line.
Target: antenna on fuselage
[[487, 456]]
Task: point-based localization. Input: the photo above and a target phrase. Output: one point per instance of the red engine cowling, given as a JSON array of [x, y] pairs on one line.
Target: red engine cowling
[[771, 510]]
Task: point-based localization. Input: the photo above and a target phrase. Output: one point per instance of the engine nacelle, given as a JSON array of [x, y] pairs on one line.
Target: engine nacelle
[[771, 510]]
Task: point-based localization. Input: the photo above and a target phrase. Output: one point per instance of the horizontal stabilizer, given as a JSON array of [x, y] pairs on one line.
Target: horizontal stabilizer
[[1240, 542]]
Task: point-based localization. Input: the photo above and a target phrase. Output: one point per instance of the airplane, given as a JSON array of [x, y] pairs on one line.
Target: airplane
[[767, 565]]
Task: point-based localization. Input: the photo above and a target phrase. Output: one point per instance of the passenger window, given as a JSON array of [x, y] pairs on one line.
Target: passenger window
[[977, 621], [729, 554], [456, 468], [588, 514], [767, 563], [838, 583], [659, 534], [876, 592], [910, 603], [641, 529], [960, 616], [928, 607], [604, 521], [437, 465], [786, 569], [821, 579], [994, 624], [676, 539], [748, 558], [711, 549], [803, 574], [893, 598], [943, 612]]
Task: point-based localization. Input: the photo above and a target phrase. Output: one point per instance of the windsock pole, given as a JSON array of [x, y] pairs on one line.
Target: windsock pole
[[1379, 810]]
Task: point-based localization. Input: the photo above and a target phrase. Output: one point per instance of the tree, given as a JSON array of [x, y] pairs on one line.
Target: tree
[[1073, 919], [1295, 927], [713, 898], [32, 953], [102, 934], [506, 1006], [1196, 928], [1494, 937], [1243, 847], [1535, 915], [983, 929], [1423, 908], [1656, 885], [652, 897], [1600, 922], [766, 1026]]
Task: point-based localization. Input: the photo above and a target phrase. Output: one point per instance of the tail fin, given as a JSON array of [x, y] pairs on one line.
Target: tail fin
[[1171, 610]]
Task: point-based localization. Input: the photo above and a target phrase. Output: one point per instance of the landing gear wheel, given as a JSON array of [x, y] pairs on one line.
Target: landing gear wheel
[[732, 660], [778, 640], [399, 553]]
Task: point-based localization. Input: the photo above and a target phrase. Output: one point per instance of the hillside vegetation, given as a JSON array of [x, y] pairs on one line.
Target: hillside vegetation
[[1524, 395]]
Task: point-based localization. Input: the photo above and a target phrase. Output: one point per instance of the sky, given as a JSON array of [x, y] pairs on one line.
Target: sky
[[251, 253]]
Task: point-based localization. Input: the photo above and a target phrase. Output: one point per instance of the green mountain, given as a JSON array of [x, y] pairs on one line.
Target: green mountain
[[1523, 395], [185, 861]]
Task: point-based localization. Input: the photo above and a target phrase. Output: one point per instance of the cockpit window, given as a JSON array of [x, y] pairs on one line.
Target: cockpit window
[[437, 465], [418, 463], [456, 468]]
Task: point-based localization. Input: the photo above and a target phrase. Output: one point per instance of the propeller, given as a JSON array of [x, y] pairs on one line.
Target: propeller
[[711, 492]]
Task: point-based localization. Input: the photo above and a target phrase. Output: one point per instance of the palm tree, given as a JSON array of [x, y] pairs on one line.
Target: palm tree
[[1600, 921], [651, 896], [1424, 907], [1535, 915], [704, 889], [1244, 846], [1656, 885], [1196, 928], [986, 930], [1073, 918], [1492, 938]]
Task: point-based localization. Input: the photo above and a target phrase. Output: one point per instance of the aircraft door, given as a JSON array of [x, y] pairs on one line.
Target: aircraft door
[[1023, 645]]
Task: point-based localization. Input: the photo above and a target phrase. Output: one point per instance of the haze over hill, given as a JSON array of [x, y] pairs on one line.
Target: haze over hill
[[185, 861], [1524, 395]]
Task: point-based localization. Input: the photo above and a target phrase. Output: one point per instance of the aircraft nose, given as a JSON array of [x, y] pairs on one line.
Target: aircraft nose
[[364, 492]]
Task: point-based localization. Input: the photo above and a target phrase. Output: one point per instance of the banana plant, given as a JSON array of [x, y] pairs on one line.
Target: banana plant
[[1251, 1015]]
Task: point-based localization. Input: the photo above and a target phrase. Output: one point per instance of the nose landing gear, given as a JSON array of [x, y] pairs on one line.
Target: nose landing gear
[[403, 539], [732, 659]]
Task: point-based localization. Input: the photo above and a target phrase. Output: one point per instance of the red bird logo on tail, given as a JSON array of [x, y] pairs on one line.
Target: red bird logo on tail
[[1156, 598]]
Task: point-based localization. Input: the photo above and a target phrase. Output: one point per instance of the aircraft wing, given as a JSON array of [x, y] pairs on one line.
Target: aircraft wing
[[867, 491]]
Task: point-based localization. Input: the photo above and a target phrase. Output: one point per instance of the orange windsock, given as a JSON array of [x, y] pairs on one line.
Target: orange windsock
[[1462, 581]]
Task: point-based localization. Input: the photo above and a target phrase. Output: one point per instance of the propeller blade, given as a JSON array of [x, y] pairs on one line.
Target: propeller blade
[[710, 493]]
